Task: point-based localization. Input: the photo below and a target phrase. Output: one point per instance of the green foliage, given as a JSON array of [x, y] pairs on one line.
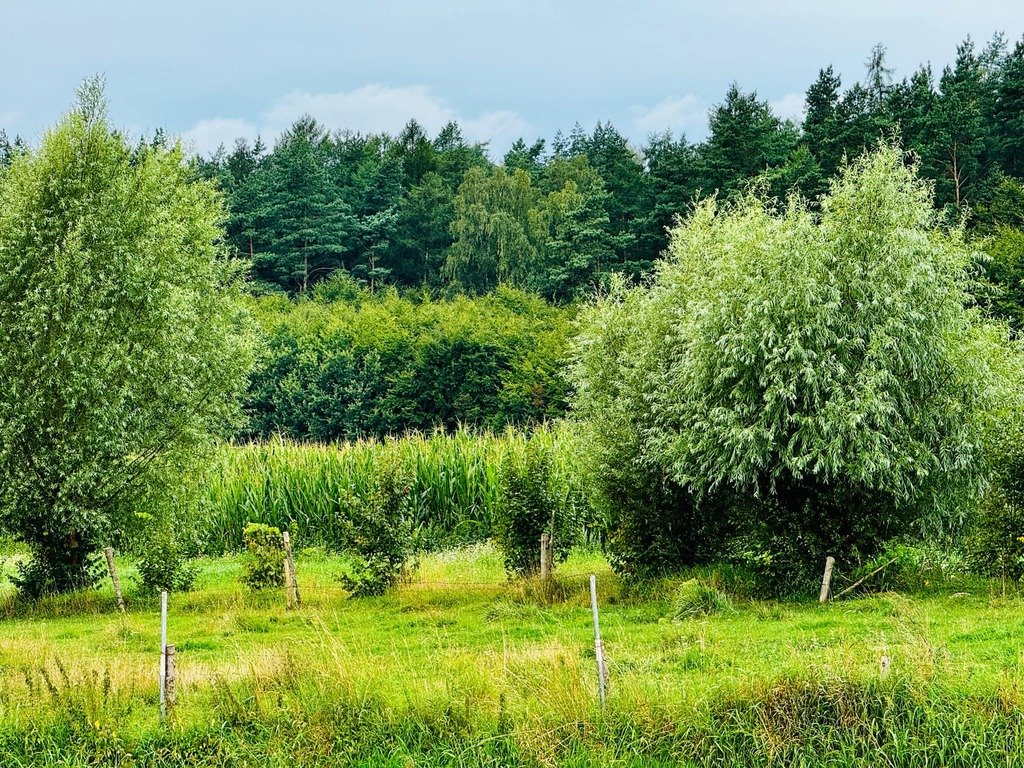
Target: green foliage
[[1005, 269], [745, 138], [541, 491], [418, 212], [328, 493], [263, 562], [527, 509], [50, 575], [694, 599], [995, 538], [122, 345], [163, 565], [381, 365], [829, 373], [378, 530]]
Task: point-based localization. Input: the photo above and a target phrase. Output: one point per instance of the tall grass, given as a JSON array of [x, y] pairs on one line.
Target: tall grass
[[454, 482]]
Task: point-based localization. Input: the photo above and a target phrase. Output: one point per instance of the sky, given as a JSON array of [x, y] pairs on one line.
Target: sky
[[214, 70]]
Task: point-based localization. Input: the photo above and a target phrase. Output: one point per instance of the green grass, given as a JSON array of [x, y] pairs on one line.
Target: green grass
[[461, 667]]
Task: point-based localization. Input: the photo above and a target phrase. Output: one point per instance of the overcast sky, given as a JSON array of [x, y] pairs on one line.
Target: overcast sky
[[212, 70]]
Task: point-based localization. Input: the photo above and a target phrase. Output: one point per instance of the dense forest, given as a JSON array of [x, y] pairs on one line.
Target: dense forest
[[556, 218]]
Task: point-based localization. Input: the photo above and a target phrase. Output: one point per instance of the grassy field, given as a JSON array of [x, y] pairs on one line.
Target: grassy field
[[461, 667]]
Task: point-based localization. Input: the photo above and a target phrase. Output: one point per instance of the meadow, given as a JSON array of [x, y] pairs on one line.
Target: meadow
[[461, 666]]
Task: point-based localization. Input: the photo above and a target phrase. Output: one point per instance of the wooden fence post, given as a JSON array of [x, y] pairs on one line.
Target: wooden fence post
[[112, 569], [291, 583], [546, 553], [826, 580], [163, 655], [602, 670], [169, 679]]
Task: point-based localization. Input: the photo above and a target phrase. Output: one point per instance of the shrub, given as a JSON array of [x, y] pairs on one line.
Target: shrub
[[995, 535], [163, 565], [263, 562], [995, 540], [40, 576], [378, 530], [694, 598], [526, 510], [914, 566]]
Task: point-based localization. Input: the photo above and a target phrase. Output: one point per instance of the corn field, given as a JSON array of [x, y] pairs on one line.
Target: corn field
[[454, 484]]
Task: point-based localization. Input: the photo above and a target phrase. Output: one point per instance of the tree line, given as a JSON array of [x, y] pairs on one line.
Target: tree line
[[557, 218]]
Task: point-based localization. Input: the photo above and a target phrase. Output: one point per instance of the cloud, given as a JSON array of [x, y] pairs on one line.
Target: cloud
[[789, 107], [8, 119], [688, 114], [207, 135], [371, 108]]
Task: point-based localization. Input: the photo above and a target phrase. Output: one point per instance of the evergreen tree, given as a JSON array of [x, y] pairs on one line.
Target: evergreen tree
[[577, 248], [1008, 114], [821, 129], [745, 139], [674, 179], [529, 158], [305, 226], [629, 210]]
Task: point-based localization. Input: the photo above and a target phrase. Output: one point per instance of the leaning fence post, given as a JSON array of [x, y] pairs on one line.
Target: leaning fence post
[[163, 655], [602, 670], [112, 569], [826, 580], [291, 583]]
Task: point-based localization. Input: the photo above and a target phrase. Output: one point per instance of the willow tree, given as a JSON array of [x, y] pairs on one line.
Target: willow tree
[[828, 371], [122, 347]]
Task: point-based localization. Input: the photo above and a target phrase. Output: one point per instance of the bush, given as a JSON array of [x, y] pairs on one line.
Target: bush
[[995, 537], [42, 576], [526, 510], [913, 566], [694, 598], [378, 531], [263, 562], [783, 540], [995, 540], [163, 565]]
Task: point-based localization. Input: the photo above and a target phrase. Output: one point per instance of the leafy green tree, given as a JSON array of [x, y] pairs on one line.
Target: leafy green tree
[[1005, 269], [122, 345], [831, 371], [494, 237], [353, 364]]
